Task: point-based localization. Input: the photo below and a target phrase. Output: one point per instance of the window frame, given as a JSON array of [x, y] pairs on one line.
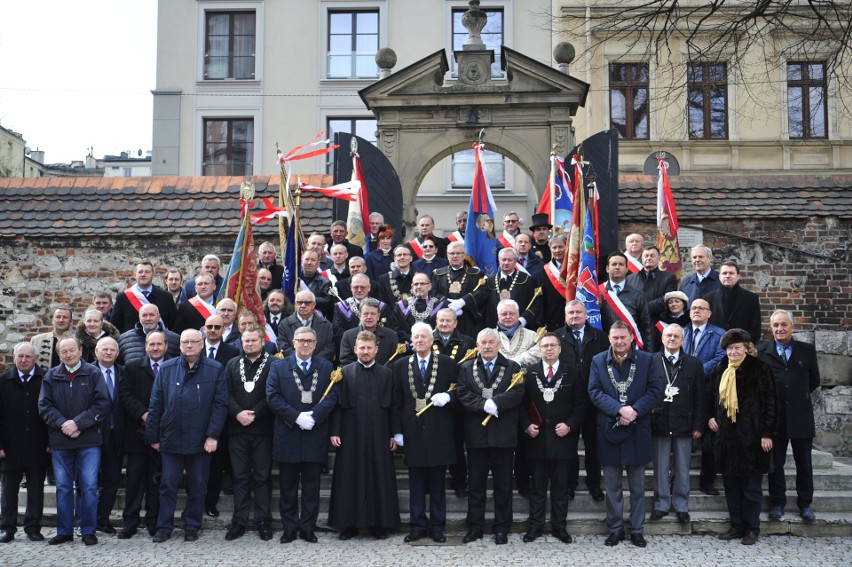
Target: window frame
[[496, 71], [250, 151], [631, 87], [353, 12], [203, 7], [805, 84], [353, 120], [706, 86]]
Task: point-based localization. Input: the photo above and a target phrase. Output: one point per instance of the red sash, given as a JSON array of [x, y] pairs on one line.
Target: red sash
[[329, 276], [416, 247], [635, 266], [552, 273], [623, 314], [504, 240], [205, 309], [136, 298], [661, 326]]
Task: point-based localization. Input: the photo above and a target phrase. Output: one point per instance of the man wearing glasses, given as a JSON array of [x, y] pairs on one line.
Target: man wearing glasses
[[511, 229], [430, 260], [213, 346], [189, 404], [426, 230], [396, 284], [306, 317]]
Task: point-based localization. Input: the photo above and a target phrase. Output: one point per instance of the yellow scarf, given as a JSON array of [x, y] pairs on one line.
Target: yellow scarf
[[728, 389]]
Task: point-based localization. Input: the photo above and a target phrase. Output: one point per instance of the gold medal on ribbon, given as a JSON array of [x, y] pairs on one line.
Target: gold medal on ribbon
[[455, 287]]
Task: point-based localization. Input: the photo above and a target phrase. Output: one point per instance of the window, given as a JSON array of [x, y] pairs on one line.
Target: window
[[465, 161], [229, 45], [362, 127], [628, 99], [128, 172], [806, 94], [353, 40], [228, 146], [707, 85], [492, 37]]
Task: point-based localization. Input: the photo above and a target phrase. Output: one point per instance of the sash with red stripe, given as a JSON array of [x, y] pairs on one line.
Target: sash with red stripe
[[415, 246], [455, 237], [205, 309], [136, 298], [661, 326], [622, 313], [504, 240], [327, 274], [553, 275], [635, 266]]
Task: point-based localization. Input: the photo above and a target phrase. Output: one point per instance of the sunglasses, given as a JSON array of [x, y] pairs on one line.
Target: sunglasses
[[213, 327]]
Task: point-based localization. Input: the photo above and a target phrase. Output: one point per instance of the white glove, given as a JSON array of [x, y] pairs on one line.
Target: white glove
[[491, 407], [305, 420], [456, 304], [398, 440], [441, 399]]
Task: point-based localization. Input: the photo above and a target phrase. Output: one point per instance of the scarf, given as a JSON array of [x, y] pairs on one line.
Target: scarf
[[728, 389]]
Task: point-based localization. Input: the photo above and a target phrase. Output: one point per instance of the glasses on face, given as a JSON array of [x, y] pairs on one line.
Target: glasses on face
[[189, 341], [304, 303], [428, 247], [213, 327], [510, 221], [304, 341], [698, 308], [550, 345], [419, 283]]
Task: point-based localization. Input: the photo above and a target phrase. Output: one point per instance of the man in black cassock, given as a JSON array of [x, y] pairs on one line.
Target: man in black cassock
[[363, 489], [420, 379]]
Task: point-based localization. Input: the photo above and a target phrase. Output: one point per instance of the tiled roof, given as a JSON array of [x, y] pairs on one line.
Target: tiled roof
[[165, 206], [702, 197]]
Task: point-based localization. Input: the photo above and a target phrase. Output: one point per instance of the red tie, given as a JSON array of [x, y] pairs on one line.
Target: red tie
[[549, 373], [523, 261]]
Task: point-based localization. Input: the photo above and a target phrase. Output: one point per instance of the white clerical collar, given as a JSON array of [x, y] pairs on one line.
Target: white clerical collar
[[367, 365]]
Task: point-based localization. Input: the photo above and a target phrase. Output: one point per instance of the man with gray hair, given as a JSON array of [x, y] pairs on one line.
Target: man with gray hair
[[511, 283], [106, 353], [210, 264], [131, 344], [485, 392], [705, 279], [304, 316], [23, 444], [194, 311]]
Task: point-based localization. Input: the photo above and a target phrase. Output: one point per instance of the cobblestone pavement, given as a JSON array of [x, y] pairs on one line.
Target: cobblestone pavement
[[212, 550]]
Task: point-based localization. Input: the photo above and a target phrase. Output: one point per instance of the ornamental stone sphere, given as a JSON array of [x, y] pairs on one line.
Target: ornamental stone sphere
[[385, 58], [564, 53]]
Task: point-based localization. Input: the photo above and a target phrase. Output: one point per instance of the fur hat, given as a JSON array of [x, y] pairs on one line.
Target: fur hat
[[678, 295], [734, 336]]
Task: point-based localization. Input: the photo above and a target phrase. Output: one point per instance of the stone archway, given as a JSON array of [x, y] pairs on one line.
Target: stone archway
[[423, 119]]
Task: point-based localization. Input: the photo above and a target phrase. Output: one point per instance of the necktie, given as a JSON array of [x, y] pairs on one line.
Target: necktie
[[25, 378], [523, 261], [549, 374], [423, 370], [489, 366], [695, 337], [156, 368], [782, 352], [671, 358], [212, 353], [110, 385], [275, 323], [146, 293], [617, 288], [305, 367], [577, 337]]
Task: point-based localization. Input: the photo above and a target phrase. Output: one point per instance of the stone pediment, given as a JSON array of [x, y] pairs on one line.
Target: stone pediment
[[527, 82]]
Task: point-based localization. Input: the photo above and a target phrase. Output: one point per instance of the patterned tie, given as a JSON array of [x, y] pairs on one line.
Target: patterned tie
[[489, 367], [577, 337], [617, 288], [695, 338], [671, 358], [212, 353], [423, 370], [549, 374], [523, 261], [782, 352], [156, 368], [146, 293], [305, 367], [110, 385], [25, 378]]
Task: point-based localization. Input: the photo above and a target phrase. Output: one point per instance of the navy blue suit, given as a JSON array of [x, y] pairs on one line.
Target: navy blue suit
[[112, 433], [693, 290]]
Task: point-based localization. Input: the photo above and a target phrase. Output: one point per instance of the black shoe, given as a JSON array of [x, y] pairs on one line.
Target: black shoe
[[190, 535], [571, 495], [562, 536], [597, 493], [749, 539], [500, 538], [6, 536], [288, 537], [106, 528], [614, 538], [228, 491], [461, 492], [161, 536], [709, 491], [309, 537], [531, 536], [658, 515], [35, 536], [347, 533], [212, 511], [524, 491], [414, 535], [264, 532], [235, 531], [57, 539], [472, 535], [730, 534], [682, 517], [638, 540], [776, 513], [379, 533], [126, 533], [152, 530], [438, 537], [89, 539]]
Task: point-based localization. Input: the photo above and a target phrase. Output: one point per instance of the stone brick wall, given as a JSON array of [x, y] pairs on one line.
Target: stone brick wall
[[803, 266]]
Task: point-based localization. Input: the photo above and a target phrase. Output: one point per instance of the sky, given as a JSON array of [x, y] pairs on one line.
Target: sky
[[75, 75]]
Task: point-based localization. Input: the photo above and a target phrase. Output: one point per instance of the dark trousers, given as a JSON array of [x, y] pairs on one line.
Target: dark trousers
[[431, 480], [290, 475], [143, 481], [220, 463], [522, 468], [744, 495], [11, 482], [499, 462], [109, 478], [589, 433], [251, 463], [707, 476], [804, 472], [197, 467], [555, 473], [458, 471]]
